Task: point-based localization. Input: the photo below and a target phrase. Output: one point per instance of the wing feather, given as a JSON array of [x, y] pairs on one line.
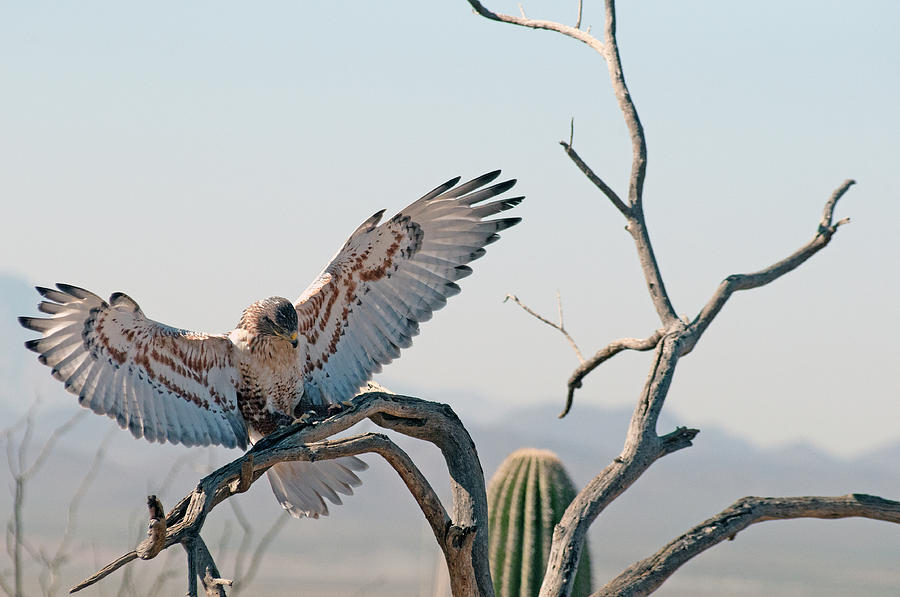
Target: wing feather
[[367, 304], [162, 383], [88, 395]]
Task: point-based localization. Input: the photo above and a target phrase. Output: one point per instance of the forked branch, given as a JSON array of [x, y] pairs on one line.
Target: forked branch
[[557, 326]]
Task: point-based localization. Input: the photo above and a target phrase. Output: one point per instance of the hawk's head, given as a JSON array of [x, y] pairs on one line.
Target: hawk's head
[[274, 316]]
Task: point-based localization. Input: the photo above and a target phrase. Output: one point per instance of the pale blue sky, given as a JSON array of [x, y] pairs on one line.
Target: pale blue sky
[[202, 155]]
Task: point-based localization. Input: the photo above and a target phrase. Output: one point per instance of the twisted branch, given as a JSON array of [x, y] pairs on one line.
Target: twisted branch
[[463, 538]]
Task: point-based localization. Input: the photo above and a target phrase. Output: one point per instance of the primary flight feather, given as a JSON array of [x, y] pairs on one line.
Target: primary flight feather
[[168, 384]]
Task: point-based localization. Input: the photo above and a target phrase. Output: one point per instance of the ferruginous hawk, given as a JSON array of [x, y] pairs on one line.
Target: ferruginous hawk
[[167, 384]]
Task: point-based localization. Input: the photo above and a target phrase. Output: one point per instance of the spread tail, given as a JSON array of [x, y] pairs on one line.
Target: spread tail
[[301, 486]]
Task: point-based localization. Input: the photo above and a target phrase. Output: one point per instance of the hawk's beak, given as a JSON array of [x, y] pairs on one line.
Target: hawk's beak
[[294, 343], [293, 339]]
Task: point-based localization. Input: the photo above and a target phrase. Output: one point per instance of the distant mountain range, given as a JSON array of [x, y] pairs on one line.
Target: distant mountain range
[[378, 544]]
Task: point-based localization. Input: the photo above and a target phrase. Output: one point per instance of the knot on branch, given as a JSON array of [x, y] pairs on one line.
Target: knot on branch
[[156, 530], [460, 538]]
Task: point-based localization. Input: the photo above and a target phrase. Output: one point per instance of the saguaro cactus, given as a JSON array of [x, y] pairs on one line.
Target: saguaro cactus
[[526, 498]]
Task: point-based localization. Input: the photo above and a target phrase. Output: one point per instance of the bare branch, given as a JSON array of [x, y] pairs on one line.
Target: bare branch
[[557, 326], [642, 578], [675, 338], [637, 226], [604, 354], [598, 182], [736, 282], [522, 21], [105, 571], [642, 448], [626, 105]]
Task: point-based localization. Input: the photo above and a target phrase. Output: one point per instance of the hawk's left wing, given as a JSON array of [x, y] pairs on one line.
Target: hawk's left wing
[[162, 383], [368, 302]]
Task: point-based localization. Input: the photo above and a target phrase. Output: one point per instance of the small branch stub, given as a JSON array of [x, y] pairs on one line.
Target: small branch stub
[[156, 530]]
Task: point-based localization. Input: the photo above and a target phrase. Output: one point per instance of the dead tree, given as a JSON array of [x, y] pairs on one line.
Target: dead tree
[[461, 531]]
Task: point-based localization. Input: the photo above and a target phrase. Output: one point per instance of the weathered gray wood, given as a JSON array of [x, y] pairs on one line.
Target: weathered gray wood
[[642, 578]]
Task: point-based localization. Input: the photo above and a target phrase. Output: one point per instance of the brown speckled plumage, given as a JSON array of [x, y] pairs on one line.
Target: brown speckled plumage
[[167, 384]]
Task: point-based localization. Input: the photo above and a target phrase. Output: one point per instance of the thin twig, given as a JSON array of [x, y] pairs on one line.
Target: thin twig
[[557, 326], [578, 20], [598, 182]]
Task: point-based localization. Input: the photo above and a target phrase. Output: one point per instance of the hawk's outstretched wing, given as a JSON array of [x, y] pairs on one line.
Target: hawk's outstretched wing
[[368, 302], [162, 383]]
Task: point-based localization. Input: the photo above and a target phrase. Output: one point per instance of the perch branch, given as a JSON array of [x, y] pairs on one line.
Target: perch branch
[[460, 537], [735, 282], [642, 578], [557, 326]]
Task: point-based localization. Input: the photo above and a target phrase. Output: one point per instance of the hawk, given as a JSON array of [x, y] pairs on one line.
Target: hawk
[[168, 384]]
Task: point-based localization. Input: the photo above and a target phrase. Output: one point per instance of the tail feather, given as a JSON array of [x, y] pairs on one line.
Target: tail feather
[[301, 486]]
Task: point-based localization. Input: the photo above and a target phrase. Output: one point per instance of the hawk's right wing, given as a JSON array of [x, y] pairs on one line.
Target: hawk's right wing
[[162, 383], [369, 301]]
